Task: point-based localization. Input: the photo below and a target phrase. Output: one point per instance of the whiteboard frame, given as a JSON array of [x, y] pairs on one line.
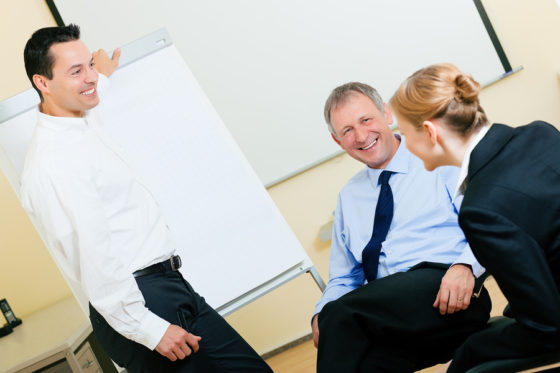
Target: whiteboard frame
[[303, 267]]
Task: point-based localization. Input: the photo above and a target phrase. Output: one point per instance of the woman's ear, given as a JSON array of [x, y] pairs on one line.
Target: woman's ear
[[432, 131]]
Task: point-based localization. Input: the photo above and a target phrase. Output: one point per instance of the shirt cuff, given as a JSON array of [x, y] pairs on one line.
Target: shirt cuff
[[318, 309], [467, 257], [153, 329]]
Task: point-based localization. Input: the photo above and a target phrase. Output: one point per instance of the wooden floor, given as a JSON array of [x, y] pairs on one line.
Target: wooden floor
[[299, 359], [302, 358]]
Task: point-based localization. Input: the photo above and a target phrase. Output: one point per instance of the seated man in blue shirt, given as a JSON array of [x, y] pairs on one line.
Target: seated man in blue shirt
[[399, 298]]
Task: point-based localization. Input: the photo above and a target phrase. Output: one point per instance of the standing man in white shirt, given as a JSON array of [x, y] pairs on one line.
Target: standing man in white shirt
[[105, 227]]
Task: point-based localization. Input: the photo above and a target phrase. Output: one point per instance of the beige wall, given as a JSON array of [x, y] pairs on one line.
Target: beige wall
[[529, 32], [18, 20], [29, 278]]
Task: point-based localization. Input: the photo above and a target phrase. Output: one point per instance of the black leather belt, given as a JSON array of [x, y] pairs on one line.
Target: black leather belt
[[171, 264]]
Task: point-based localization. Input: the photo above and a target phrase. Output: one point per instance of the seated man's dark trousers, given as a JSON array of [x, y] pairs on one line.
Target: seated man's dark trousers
[[390, 325], [171, 297]]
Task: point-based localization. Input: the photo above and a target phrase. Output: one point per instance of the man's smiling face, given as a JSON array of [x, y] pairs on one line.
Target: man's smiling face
[[362, 130], [73, 87]]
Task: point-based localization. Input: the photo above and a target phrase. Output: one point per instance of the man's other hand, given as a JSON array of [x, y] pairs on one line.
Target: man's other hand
[[104, 64], [177, 343], [456, 289], [315, 330]]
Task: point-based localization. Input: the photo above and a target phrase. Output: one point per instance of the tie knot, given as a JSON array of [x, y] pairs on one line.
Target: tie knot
[[384, 177]]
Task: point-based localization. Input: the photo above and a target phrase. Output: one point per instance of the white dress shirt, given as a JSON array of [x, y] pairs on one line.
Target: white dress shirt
[[460, 187], [99, 220]]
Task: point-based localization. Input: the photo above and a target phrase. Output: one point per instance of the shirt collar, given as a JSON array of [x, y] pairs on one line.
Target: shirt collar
[[62, 123], [397, 164], [461, 182]]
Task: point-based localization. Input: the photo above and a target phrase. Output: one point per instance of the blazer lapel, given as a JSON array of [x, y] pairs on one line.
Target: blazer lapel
[[498, 135]]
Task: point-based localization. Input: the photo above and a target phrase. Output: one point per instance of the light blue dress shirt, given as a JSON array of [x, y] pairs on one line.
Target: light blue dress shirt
[[424, 226]]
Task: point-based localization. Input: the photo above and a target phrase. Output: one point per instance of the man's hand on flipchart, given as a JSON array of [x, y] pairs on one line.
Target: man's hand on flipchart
[[456, 289], [177, 343], [104, 64], [315, 330]]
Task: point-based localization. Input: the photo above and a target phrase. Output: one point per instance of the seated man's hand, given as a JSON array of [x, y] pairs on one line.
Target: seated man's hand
[[104, 64], [315, 330], [177, 343], [456, 289]]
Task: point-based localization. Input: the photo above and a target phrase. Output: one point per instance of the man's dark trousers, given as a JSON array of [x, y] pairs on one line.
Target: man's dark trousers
[[169, 296], [389, 325]]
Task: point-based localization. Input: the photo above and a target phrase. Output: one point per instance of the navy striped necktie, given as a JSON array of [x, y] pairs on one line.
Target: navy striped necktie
[[381, 224]]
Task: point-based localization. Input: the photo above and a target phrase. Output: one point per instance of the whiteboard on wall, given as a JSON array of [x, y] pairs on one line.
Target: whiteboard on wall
[[234, 243], [268, 66]]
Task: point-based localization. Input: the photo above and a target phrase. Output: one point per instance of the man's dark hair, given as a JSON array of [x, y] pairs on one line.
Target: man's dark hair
[[37, 56]]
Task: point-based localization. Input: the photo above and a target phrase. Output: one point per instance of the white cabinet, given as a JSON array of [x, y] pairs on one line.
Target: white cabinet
[[57, 339]]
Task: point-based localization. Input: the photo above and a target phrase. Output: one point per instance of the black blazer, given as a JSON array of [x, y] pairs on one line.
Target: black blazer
[[511, 217]]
